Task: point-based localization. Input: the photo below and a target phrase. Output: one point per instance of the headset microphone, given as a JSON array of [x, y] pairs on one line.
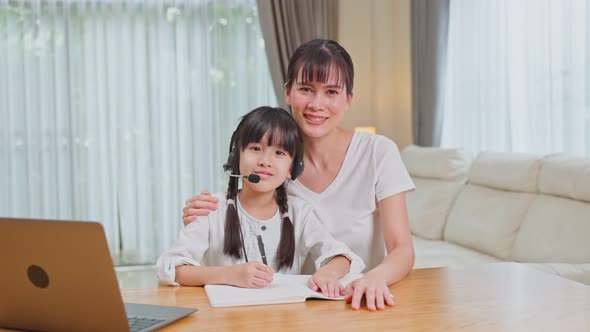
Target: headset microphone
[[254, 178]]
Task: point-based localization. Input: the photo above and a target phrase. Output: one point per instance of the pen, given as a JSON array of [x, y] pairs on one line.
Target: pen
[[261, 248]]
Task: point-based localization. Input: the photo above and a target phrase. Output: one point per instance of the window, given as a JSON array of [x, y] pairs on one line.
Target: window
[[118, 111], [518, 76]]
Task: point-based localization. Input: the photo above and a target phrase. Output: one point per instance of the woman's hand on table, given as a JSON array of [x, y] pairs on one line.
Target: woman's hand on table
[[373, 287]]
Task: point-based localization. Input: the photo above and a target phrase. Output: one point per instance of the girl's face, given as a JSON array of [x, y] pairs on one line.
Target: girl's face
[[271, 163], [318, 107]]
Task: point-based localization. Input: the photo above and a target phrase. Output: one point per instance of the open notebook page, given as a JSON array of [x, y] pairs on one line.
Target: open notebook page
[[283, 289]]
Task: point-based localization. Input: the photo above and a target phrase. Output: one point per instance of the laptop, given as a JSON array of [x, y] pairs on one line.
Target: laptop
[[59, 276]]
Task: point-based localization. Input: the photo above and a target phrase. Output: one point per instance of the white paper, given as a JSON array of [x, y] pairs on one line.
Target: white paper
[[283, 289]]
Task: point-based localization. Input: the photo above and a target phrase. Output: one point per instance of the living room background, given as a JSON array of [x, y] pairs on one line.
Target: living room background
[[118, 111]]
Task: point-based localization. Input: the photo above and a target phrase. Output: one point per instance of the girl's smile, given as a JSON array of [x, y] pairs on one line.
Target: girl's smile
[[263, 174]]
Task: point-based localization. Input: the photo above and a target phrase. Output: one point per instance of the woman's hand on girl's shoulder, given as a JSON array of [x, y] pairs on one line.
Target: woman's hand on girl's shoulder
[[198, 206], [374, 288], [251, 275], [327, 283]]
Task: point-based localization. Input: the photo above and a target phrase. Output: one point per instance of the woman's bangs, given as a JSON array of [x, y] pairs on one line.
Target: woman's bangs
[[322, 68]]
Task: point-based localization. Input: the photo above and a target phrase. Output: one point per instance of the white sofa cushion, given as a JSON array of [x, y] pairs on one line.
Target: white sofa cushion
[[429, 206], [440, 253], [507, 171], [566, 176], [487, 219], [436, 163], [554, 230]]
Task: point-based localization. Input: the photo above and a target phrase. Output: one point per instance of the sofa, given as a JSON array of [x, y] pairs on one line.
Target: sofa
[[532, 209]]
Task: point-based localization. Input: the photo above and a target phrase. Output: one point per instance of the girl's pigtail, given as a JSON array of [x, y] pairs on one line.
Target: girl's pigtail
[[232, 244], [286, 252]]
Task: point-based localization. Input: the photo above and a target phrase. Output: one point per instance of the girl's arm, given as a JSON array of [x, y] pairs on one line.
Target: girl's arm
[[183, 263], [249, 275], [396, 265], [326, 278], [188, 251], [337, 266], [190, 275], [332, 258]]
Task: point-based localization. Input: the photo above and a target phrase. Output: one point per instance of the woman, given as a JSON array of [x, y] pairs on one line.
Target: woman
[[355, 181]]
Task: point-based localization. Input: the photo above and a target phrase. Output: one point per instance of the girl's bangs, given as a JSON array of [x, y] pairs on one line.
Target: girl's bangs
[[280, 133]]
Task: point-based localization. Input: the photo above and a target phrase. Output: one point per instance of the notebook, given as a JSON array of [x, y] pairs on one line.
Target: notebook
[[59, 276], [283, 289]]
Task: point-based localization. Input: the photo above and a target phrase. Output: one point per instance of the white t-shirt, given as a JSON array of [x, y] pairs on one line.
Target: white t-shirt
[[372, 170], [200, 243]]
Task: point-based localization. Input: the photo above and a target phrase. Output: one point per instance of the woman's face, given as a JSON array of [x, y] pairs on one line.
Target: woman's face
[[318, 107]]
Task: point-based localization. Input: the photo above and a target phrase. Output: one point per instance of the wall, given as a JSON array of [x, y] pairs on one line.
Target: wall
[[377, 35]]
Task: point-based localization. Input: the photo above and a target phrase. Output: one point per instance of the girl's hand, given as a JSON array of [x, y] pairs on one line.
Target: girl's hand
[[327, 283], [375, 290], [198, 206], [251, 275]]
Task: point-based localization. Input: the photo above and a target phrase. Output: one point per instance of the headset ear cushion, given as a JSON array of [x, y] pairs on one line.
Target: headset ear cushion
[[297, 169], [230, 160]]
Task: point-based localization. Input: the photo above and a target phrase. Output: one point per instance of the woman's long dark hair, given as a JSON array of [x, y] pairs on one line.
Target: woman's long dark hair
[[316, 60], [282, 132]]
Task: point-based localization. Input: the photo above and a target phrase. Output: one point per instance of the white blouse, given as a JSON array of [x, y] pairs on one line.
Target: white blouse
[[372, 170], [200, 243]]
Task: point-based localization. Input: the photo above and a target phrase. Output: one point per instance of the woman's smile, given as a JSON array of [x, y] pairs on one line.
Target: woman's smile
[[314, 119]]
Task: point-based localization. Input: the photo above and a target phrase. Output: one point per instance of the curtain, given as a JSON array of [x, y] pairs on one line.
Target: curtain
[[118, 111], [286, 24], [430, 20], [519, 76]]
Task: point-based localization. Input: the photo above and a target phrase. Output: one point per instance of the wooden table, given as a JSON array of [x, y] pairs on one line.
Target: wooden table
[[490, 297]]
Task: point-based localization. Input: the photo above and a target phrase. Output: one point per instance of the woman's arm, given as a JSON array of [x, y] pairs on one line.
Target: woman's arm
[[398, 239], [398, 262], [198, 206]]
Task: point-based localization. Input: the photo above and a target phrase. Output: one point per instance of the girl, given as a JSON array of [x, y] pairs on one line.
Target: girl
[[355, 181], [264, 231]]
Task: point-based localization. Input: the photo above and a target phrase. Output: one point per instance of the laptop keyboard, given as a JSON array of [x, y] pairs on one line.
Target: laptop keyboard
[[140, 323]]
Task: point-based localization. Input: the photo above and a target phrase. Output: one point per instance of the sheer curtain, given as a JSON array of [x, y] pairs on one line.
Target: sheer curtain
[[518, 76], [117, 111]]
